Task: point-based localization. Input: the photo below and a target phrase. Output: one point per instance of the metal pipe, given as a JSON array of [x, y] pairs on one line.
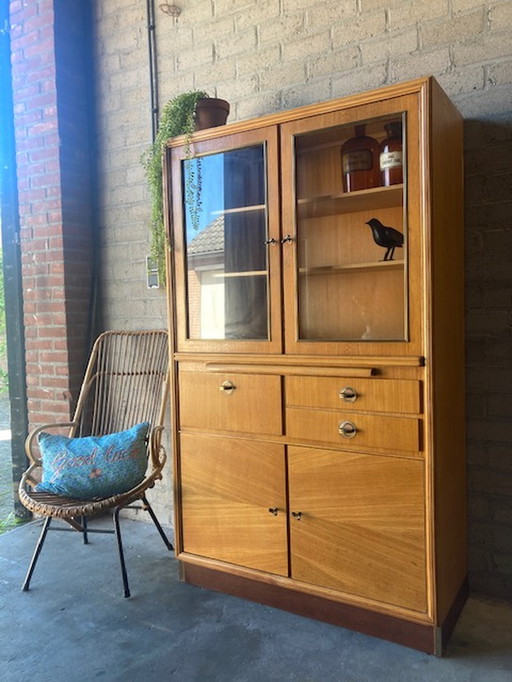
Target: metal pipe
[[153, 67]]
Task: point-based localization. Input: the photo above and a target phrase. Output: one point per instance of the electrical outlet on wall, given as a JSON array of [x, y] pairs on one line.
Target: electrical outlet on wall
[[152, 278]]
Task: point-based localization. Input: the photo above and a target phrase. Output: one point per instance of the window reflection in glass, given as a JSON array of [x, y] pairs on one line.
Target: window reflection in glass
[[225, 231]]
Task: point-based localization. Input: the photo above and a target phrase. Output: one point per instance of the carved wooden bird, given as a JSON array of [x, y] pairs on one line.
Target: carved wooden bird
[[385, 236]]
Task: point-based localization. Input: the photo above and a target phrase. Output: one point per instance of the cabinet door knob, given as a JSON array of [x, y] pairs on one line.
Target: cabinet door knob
[[347, 429], [227, 387], [273, 510], [271, 241], [286, 239], [348, 394], [297, 515]]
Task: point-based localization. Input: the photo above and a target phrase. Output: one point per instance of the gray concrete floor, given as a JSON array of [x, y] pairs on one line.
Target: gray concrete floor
[[74, 625]]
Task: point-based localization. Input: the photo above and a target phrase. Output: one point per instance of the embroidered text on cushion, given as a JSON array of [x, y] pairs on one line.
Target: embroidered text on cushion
[[93, 466]]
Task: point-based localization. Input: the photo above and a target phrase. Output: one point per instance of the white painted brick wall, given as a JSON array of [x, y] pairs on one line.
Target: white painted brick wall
[[268, 55]]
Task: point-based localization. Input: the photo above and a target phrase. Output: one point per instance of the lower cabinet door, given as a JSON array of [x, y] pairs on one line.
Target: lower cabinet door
[[357, 524], [233, 502]]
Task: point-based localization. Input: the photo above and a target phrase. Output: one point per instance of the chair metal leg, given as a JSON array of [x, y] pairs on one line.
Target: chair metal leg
[[83, 520], [159, 528], [121, 552], [37, 552]]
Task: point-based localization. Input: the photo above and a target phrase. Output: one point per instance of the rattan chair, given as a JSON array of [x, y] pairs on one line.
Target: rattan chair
[[126, 382]]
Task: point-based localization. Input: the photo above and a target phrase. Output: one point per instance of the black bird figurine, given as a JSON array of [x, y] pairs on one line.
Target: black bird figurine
[[385, 236]]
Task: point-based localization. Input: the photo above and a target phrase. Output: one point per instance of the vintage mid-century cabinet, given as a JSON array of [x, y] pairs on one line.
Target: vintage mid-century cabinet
[[318, 392]]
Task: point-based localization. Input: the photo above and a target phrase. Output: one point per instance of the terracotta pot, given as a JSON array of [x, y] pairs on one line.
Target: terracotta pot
[[211, 112]]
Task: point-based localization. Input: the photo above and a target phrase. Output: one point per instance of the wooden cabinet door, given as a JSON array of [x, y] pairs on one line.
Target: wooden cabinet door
[[344, 293], [361, 525], [233, 502], [226, 262]]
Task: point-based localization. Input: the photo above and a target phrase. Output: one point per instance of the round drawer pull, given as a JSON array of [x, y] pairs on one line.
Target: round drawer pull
[[227, 387], [347, 429], [348, 394]]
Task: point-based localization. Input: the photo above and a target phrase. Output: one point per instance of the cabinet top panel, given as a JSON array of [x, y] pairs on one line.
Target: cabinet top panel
[[426, 85]]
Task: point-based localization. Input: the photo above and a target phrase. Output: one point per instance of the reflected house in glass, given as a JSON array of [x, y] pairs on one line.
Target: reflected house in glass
[[205, 258], [226, 260]]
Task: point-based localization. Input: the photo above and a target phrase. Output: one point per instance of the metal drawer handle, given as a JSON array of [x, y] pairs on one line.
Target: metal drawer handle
[[274, 510], [348, 394], [297, 515], [227, 387], [287, 239], [347, 429], [271, 241]]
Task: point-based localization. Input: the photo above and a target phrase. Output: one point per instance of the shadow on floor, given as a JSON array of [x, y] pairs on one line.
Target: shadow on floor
[[74, 624]]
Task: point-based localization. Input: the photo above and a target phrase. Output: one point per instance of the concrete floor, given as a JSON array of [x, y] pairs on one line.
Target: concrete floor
[[74, 625]]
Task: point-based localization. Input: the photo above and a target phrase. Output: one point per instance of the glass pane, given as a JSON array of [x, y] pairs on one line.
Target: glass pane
[[225, 231], [351, 232]]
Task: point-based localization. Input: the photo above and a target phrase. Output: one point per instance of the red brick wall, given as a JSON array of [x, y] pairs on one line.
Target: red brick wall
[[50, 66]]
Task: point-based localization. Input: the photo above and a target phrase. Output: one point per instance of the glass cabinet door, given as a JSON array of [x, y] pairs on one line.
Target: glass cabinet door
[[225, 207], [348, 256]]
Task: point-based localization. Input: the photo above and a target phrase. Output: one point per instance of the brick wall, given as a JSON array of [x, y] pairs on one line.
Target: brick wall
[[51, 126], [268, 55]]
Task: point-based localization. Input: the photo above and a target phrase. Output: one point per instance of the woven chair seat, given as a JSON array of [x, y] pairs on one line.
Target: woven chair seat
[[59, 507]]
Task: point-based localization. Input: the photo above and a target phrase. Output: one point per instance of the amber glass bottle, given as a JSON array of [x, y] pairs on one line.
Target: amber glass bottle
[[359, 160], [390, 158]]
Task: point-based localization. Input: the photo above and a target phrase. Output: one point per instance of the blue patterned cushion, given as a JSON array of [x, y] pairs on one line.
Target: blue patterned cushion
[[93, 466]]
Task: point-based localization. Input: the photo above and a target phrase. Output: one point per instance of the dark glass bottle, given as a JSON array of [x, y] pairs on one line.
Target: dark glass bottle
[[390, 158], [359, 160]]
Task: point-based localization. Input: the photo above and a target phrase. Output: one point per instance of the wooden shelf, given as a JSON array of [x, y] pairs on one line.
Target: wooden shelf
[[351, 202], [353, 267]]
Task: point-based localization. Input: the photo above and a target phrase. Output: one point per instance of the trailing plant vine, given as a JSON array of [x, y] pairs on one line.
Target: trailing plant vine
[[178, 118]]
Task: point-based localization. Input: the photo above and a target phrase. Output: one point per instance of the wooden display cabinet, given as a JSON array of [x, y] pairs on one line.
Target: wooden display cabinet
[[318, 375]]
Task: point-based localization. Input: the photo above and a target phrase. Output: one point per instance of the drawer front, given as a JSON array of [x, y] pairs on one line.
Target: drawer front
[[373, 395], [353, 430], [246, 403]]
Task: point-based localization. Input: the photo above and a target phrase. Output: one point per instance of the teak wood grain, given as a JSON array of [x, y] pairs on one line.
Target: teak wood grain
[[372, 395], [253, 405], [362, 525], [227, 489], [373, 430]]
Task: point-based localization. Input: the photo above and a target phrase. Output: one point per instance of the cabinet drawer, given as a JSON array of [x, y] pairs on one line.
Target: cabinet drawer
[[373, 395], [361, 430], [247, 403]]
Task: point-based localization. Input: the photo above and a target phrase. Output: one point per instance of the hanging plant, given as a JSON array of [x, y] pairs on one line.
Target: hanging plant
[[178, 118]]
